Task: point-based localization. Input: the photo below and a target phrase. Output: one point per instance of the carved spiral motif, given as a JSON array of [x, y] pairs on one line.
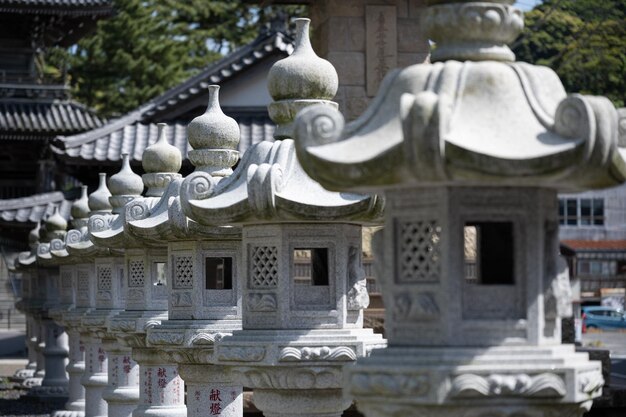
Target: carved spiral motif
[[319, 125], [97, 223], [73, 236], [572, 117], [43, 249], [56, 244], [137, 211], [198, 186]]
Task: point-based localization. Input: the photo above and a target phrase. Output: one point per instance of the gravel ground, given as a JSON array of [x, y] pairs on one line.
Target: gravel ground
[[13, 404]]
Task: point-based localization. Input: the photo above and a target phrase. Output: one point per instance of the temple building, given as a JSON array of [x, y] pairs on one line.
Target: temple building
[[34, 110]]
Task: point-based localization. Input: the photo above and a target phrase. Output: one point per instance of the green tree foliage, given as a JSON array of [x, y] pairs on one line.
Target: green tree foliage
[[584, 41], [149, 46]]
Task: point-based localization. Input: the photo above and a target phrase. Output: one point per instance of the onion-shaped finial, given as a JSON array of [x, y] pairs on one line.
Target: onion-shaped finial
[[80, 207], [214, 138], [126, 182], [161, 156], [56, 223], [303, 74], [99, 199]]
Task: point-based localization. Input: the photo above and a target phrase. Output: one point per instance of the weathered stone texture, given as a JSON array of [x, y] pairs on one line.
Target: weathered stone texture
[[350, 67], [341, 36]]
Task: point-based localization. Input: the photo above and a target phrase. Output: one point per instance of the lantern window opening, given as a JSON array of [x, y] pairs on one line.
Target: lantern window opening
[[159, 277], [310, 266], [218, 273], [489, 253]]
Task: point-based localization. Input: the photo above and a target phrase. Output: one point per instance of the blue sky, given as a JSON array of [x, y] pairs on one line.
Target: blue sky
[[526, 4]]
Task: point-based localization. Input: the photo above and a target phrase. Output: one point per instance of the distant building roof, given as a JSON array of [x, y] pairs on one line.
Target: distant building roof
[[57, 6], [21, 119], [136, 130], [32, 208], [577, 247], [135, 137], [55, 22]]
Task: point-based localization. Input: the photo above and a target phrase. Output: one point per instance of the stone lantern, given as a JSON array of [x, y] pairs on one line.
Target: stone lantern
[[470, 153], [302, 321], [204, 266], [161, 390], [106, 204], [82, 252], [25, 305], [65, 313], [27, 263], [55, 381]]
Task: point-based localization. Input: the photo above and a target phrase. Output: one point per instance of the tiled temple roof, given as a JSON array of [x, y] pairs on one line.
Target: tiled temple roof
[[136, 130], [21, 119], [33, 208], [134, 138], [56, 6]]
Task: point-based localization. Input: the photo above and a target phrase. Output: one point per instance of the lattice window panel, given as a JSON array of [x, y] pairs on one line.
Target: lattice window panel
[[137, 272], [420, 258], [105, 278], [83, 280], [183, 272], [66, 280], [264, 266]]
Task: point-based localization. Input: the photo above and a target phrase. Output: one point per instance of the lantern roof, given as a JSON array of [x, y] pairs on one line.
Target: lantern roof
[[161, 161], [474, 117], [269, 185], [214, 138]]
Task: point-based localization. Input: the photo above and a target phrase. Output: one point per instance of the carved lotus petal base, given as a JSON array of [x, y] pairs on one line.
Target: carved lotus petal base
[[539, 381], [190, 341], [315, 348], [131, 327]]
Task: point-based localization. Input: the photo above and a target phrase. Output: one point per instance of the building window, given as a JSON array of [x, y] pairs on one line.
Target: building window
[[581, 211], [604, 268]]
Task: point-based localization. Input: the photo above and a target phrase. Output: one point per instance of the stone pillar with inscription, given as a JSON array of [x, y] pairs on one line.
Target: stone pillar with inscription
[[108, 281], [161, 390], [55, 382], [204, 269], [470, 153], [302, 323]]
